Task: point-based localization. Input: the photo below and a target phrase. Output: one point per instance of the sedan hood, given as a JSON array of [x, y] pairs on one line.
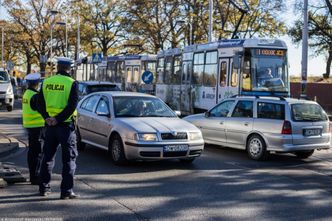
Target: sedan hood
[[4, 86], [194, 117], [158, 124]]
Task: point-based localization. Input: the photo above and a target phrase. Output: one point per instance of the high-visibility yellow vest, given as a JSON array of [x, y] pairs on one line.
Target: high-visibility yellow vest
[[56, 90], [31, 118]]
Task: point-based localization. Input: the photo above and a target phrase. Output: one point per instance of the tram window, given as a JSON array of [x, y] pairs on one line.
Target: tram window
[[168, 70], [176, 76], [197, 77], [234, 77], [210, 69], [136, 75], [119, 75], [129, 74], [223, 73], [160, 70], [246, 78]]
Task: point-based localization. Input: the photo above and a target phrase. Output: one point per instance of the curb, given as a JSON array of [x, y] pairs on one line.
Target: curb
[[8, 145], [3, 183]]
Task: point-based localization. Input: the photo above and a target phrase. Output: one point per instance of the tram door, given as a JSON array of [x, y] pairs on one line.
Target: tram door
[[133, 77], [186, 98], [223, 79]]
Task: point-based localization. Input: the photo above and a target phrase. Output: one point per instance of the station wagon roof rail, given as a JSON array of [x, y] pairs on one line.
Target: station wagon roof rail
[[259, 96]]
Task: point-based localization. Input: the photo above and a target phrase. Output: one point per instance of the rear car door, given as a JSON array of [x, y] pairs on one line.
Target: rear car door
[[240, 124], [269, 121]]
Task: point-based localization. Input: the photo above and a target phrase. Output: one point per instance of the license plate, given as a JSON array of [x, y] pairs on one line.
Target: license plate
[[311, 132], [173, 148]]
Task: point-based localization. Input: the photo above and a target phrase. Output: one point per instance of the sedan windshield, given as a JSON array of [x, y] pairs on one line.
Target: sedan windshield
[[4, 77], [141, 107]]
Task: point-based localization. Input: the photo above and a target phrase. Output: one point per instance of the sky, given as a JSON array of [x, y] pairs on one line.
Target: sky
[[316, 65]]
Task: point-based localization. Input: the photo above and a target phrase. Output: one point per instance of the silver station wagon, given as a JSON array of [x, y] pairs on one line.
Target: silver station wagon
[[135, 126], [261, 125]]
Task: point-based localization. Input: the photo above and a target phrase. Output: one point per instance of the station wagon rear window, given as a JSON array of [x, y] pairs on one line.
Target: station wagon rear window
[[270, 111], [308, 112]]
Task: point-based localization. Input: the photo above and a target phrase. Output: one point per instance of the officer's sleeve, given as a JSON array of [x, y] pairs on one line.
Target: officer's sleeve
[[71, 105], [33, 102], [41, 105]]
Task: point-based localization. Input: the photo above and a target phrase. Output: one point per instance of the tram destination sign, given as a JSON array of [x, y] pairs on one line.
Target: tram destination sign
[[270, 52]]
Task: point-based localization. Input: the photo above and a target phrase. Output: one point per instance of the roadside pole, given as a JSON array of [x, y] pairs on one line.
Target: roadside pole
[[304, 67]]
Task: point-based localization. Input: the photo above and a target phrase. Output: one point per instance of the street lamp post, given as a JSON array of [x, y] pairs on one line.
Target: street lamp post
[[2, 39], [2, 47], [210, 21], [53, 12], [304, 63], [66, 35], [182, 22]]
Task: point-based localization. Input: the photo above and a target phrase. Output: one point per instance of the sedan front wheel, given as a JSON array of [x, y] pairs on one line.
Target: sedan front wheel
[[116, 150]]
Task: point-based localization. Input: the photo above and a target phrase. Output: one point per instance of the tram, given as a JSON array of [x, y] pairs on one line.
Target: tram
[[126, 72], [199, 76]]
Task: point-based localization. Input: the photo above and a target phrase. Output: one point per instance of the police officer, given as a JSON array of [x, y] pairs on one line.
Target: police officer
[[58, 100], [34, 124]]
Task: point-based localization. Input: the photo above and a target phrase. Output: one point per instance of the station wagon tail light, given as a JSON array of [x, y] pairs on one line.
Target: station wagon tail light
[[147, 137], [286, 128]]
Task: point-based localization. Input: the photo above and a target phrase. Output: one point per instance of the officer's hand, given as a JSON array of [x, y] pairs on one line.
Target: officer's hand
[[53, 121], [48, 121]]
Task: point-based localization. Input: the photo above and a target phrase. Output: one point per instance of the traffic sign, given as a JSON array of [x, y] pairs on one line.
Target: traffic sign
[[97, 58], [147, 77]]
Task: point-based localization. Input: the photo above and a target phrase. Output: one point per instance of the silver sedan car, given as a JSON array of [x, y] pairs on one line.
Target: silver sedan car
[[261, 125], [135, 126]]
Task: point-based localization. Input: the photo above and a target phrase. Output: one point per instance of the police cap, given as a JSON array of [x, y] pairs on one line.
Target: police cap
[[33, 77], [65, 61]]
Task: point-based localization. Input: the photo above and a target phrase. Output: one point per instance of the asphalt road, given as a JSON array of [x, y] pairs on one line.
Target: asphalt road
[[222, 184]]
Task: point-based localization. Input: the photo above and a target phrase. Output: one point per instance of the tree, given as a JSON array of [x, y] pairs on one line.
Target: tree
[[154, 21], [34, 18], [319, 30], [103, 19]]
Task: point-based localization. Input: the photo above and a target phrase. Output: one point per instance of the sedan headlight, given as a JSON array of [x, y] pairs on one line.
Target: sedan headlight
[[195, 135], [147, 137], [9, 90]]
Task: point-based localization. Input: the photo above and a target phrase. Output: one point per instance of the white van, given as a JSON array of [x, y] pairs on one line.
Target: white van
[[6, 90]]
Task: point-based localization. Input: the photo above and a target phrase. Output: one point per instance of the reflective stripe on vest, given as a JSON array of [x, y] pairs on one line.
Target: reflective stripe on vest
[[56, 90], [31, 118]]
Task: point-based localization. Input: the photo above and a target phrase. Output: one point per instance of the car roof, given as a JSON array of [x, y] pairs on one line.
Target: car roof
[[122, 94], [96, 83], [274, 99]]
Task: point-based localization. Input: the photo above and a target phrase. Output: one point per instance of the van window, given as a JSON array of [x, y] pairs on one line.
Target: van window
[[308, 112], [270, 111], [243, 109]]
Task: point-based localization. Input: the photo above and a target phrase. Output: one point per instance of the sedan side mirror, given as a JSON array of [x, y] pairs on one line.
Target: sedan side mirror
[[178, 113], [207, 114]]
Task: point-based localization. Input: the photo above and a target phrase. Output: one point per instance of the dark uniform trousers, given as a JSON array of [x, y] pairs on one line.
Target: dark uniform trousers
[[64, 135], [34, 152]]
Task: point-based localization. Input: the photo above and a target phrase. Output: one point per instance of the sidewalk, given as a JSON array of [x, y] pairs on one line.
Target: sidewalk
[[8, 173]]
